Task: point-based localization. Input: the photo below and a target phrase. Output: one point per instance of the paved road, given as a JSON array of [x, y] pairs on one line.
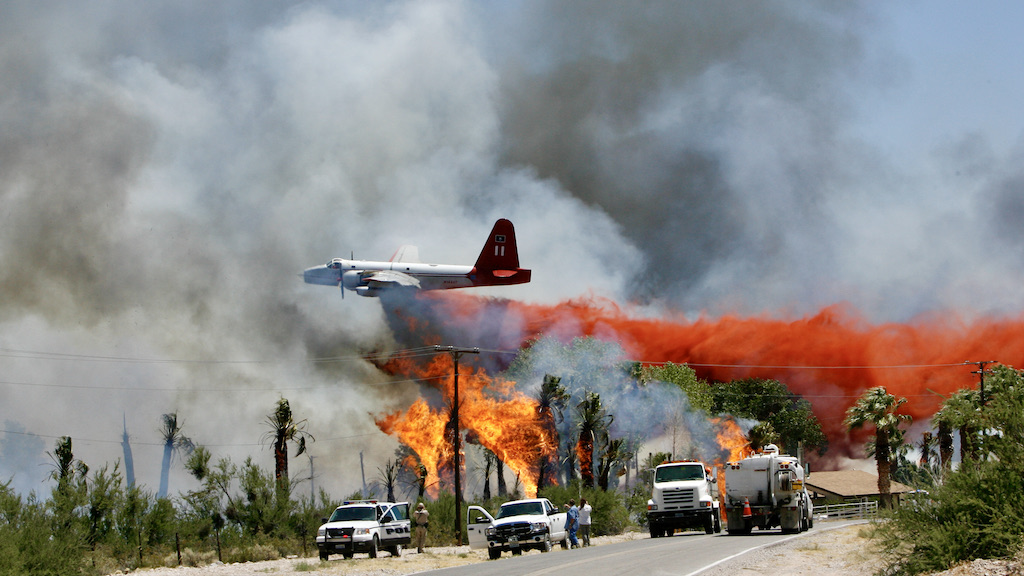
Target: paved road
[[681, 555]]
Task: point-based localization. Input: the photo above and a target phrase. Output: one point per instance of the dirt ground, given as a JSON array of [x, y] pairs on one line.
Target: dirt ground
[[837, 552]]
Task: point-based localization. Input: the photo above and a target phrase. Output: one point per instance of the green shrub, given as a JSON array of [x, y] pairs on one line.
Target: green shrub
[[975, 514], [253, 553], [610, 515]]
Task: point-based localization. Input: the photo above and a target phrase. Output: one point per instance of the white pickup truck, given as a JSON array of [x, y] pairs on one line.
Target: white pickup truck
[[519, 525], [365, 526]]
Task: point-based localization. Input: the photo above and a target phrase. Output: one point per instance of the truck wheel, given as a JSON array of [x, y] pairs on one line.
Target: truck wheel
[[517, 551], [656, 531], [373, 547], [709, 524], [396, 550], [564, 543], [324, 556], [545, 546], [347, 555], [718, 523], [494, 553]]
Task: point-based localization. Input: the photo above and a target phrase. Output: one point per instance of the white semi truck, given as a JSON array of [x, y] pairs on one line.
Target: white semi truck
[[767, 490], [683, 497]]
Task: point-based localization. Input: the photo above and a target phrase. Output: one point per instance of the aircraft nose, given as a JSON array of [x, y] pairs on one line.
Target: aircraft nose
[[321, 275]]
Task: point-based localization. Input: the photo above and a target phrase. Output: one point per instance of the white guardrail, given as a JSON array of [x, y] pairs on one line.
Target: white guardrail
[[854, 510]]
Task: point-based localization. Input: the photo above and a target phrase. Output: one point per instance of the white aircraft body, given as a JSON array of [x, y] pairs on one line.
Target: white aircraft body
[[497, 265]]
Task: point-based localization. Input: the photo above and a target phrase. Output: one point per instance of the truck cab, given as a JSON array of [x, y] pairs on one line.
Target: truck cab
[[683, 497]]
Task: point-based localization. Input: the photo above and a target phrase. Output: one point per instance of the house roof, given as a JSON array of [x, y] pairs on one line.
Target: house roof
[[850, 483]]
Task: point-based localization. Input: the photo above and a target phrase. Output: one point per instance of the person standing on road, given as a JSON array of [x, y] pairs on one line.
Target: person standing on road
[[572, 523], [422, 518], [585, 510]]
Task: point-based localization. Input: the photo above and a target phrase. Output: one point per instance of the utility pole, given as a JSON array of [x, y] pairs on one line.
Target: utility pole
[[457, 353], [981, 371], [312, 489]]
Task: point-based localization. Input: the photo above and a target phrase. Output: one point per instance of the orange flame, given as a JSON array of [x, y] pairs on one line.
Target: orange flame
[[731, 439], [501, 419]]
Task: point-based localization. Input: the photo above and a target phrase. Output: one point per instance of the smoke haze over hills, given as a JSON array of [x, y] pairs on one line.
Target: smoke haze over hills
[[167, 169]]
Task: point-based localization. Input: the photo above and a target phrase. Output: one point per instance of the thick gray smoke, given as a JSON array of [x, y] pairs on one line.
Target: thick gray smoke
[[167, 169]]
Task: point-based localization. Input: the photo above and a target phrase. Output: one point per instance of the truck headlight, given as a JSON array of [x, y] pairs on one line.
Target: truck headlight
[[322, 531], [490, 531], [361, 531], [539, 526], [652, 506]]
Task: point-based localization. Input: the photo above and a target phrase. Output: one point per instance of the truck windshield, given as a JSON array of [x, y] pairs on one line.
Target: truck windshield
[[354, 513], [677, 473], [535, 508]]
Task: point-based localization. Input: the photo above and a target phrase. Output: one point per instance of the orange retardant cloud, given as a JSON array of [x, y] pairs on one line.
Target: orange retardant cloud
[[830, 358]]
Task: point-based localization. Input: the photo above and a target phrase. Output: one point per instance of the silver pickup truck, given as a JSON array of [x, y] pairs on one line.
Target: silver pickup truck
[[519, 525]]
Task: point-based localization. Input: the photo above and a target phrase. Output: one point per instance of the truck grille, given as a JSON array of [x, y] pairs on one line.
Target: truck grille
[[679, 497], [339, 532], [518, 529]]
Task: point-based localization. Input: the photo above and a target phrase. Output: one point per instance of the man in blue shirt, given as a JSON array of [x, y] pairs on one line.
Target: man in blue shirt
[[572, 523]]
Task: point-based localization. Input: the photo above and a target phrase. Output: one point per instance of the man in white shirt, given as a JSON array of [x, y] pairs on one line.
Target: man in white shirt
[[585, 510]]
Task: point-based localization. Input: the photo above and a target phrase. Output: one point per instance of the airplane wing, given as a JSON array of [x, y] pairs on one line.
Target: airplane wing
[[390, 279]]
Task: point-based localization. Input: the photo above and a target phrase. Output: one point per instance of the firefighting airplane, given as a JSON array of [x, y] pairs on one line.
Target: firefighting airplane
[[497, 265]]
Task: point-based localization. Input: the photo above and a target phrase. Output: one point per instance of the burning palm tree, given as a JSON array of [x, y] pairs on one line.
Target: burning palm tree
[[174, 441], [594, 422], [284, 429], [551, 403]]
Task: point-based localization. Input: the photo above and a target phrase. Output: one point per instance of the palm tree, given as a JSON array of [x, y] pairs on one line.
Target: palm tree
[[594, 422], [945, 439], [284, 429], [927, 447], [174, 441], [962, 412], [878, 408], [489, 460], [129, 462], [551, 403], [762, 435], [614, 453], [389, 476]]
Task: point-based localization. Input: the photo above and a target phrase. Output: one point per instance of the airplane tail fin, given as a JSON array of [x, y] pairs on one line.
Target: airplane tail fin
[[498, 263]]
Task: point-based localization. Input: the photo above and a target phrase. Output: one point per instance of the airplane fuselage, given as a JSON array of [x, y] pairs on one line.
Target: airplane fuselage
[[355, 275], [497, 265]]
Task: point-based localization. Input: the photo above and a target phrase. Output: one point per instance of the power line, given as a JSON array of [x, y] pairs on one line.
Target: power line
[[42, 355], [201, 389], [135, 443]]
